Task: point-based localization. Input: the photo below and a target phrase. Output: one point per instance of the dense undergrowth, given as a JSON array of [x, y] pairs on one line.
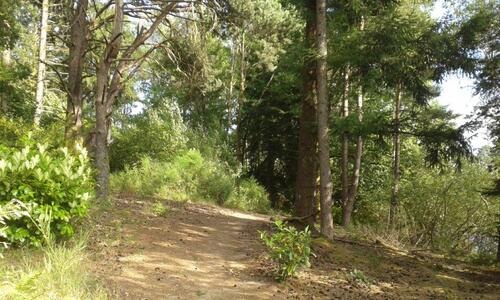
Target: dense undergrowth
[[45, 189], [57, 271], [191, 176]]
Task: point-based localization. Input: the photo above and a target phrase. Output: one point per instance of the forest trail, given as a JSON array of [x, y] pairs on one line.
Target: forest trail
[[194, 252], [197, 251]]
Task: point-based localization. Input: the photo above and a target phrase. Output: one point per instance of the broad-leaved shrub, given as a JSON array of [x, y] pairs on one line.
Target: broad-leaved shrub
[[289, 248], [53, 183]]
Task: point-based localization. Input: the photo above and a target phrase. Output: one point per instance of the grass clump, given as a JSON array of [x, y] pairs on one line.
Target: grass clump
[[357, 277], [289, 248], [249, 195], [61, 273], [158, 209], [190, 176]]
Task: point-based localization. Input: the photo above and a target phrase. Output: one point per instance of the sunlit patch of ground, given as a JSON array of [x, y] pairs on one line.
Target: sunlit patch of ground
[[206, 252]]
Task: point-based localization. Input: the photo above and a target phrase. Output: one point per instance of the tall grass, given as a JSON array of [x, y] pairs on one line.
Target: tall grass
[[190, 176], [57, 272]]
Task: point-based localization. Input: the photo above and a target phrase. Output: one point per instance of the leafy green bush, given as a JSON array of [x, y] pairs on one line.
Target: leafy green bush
[[250, 195], [17, 133], [288, 247], [190, 176], [53, 184], [10, 211], [157, 133]]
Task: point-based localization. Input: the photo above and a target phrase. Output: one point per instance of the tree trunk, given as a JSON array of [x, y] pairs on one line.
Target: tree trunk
[[240, 144], [103, 103], [101, 152], [396, 158], [6, 60], [107, 89], [353, 189], [42, 54], [77, 50], [323, 126], [6, 57], [498, 243], [230, 92], [344, 156], [307, 161], [350, 190]]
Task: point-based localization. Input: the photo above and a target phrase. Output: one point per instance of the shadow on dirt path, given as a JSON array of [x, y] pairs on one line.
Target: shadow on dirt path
[[193, 252], [197, 251]]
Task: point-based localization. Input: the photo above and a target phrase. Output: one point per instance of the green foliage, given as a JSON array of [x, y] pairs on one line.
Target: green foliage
[[11, 210], [159, 210], [249, 195], [442, 208], [9, 31], [481, 258], [357, 277], [157, 133], [63, 273], [54, 184], [446, 211], [190, 176], [289, 248], [17, 133]]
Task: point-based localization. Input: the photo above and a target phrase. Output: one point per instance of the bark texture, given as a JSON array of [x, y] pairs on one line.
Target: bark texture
[[396, 140], [42, 54], [354, 184], [6, 61], [323, 126], [307, 161], [344, 144], [102, 103], [110, 75], [498, 243], [77, 49], [350, 187]]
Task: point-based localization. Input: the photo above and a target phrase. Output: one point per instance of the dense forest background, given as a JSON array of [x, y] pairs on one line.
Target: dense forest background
[[262, 105]]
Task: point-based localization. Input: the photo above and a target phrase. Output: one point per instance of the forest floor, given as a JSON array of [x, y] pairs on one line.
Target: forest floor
[[198, 251]]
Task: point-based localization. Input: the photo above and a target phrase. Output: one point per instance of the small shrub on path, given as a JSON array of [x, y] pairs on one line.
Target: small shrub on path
[[289, 248]]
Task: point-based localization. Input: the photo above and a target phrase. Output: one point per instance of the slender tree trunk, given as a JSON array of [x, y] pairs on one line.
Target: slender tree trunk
[[344, 156], [42, 54], [350, 190], [241, 99], [396, 158], [6, 61], [103, 103], [307, 161], [498, 243], [6, 57], [108, 85], [77, 50], [323, 126], [269, 162], [353, 189], [231, 89], [101, 152]]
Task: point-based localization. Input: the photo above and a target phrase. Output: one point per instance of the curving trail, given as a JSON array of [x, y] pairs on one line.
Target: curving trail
[[197, 251], [193, 252]]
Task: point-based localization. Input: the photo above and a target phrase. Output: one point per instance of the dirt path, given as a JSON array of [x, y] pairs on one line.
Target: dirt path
[[197, 251], [194, 252]]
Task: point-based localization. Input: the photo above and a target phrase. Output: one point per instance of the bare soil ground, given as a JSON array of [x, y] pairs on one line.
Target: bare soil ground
[[197, 251]]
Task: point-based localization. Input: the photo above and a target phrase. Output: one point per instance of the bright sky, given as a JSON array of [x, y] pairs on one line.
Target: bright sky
[[457, 93]]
